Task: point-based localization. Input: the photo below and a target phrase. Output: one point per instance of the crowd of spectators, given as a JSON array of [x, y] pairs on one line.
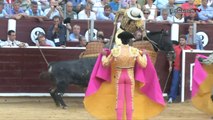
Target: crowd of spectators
[[106, 9], [162, 11]]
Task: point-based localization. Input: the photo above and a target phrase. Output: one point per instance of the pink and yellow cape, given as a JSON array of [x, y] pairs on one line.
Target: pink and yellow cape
[[100, 96], [202, 86]]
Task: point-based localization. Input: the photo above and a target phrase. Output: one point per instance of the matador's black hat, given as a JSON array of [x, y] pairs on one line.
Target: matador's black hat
[[125, 37]]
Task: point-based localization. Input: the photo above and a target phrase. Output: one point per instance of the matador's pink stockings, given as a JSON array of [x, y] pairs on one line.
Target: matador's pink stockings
[[124, 94]]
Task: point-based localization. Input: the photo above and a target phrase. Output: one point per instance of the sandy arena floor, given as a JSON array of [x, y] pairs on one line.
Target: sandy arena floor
[[43, 108]]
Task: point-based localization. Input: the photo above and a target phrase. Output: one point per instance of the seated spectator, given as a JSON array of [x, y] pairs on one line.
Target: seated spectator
[[188, 6], [171, 7], [76, 34], [54, 10], [206, 13], [152, 8], [164, 17], [99, 6], [24, 4], [78, 5], [133, 3], [86, 13], [16, 12], [114, 4], [34, 12], [12, 42], [82, 42], [178, 18], [3, 13], [42, 4], [57, 32], [42, 41], [69, 11], [147, 16], [192, 18], [191, 41], [160, 4], [106, 15], [101, 38]]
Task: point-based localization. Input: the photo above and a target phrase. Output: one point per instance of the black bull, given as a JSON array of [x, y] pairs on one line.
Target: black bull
[[67, 72], [78, 71]]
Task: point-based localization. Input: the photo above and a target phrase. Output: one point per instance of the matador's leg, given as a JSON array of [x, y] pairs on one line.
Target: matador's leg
[[120, 98], [212, 95], [129, 92]]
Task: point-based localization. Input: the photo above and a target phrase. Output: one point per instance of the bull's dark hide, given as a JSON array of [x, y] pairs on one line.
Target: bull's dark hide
[[73, 72], [68, 72]]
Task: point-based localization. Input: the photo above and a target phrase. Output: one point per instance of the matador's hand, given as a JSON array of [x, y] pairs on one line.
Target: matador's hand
[[103, 52]]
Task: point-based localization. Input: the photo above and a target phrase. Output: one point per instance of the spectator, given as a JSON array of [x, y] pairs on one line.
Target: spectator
[[192, 18], [69, 11], [100, 36], [12, 42], [206, 13], [76, 34], [82, 41], [190, 39], [24, 4], [160, 4], [34, 12], [57, 32], [114, 4], [106, 15], [78, 5], [133, 3], [152, 8], [176, 70], [16, 12], [178, 18], [54, 10], [99, 6], [3, 13], [16, 9], [147, 16], [42, 41], [86, 13], [42, 4], [188, 6], [171, 7], [164, 17]]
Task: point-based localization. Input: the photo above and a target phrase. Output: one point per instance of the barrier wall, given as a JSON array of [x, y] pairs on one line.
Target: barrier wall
[[20, 67]]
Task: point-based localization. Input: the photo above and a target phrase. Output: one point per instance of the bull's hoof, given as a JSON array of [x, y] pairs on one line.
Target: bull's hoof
[[57, 104], [212, 98], [64, 107]]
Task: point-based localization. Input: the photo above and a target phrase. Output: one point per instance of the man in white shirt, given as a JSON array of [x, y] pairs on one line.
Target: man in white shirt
[[164, 17], [86, 13], [12, 42], [54, 10]]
